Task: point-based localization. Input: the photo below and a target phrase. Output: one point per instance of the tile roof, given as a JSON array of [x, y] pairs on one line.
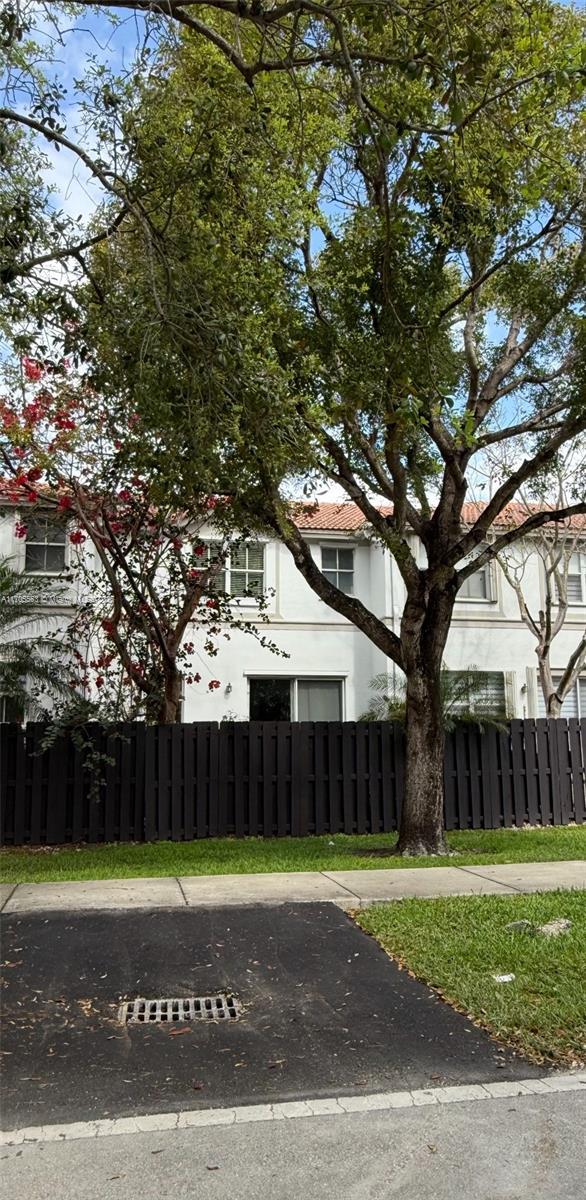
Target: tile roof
[[345, 516]]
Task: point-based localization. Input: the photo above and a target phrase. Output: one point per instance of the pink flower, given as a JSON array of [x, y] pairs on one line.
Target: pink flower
[[62, 421], [20, 530], [32, 369], [65, 502], [199, 550], [77, 537], [213, 684]]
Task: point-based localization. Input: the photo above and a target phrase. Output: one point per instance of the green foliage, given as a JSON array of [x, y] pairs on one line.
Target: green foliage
[[463, 699], [293, 273], [33, 670]]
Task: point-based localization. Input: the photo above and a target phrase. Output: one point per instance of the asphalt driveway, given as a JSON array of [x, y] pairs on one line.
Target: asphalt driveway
[[325, 1012]]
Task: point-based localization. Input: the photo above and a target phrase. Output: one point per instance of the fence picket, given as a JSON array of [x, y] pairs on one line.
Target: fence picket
[[578, 752]]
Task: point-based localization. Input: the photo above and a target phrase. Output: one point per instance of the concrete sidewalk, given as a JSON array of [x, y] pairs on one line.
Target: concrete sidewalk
[[347, 889]]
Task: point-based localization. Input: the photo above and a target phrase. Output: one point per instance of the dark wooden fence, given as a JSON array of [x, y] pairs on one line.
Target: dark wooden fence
[[181, 782]]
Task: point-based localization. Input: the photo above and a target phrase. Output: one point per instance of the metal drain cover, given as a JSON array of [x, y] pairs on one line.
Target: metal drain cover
[[222, 1007]]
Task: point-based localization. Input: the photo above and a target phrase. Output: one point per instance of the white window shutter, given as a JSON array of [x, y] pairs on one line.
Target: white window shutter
[[510, 693], [533, 689]]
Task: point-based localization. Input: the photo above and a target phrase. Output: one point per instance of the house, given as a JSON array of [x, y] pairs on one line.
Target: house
[[326, 665]]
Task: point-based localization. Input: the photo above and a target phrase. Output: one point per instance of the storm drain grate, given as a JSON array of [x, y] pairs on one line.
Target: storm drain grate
[[222, 1007]]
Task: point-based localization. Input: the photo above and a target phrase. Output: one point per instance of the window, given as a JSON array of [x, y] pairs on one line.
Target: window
[[575, 702], [45, 546], [337, 564], [482, 692], [240, 573], [577, 579], [270, 699], [319, 700], [10, 711], [277, 699], [213, 559], [247, 569], [477, 586]]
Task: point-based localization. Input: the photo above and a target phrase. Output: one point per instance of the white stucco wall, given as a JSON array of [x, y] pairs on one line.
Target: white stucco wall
[[320, 644]]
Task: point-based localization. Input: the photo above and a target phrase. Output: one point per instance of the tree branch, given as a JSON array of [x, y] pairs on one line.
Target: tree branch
[[516, 533], [8, 274]]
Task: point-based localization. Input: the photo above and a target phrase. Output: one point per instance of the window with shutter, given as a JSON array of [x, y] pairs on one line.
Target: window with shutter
[[487, 694], [247, 565], [574, 704], [577, 579], [213, 562]]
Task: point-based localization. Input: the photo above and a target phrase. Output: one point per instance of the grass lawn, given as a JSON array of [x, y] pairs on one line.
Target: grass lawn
[[456, 945], [217, 856]]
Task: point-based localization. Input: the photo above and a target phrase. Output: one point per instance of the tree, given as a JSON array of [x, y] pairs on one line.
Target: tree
[[544, 609], [34, 671], [151, 603], [438, 312], [412, 297]]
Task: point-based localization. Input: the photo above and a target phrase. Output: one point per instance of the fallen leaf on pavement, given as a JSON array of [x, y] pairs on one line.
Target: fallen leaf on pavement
[[178, 1032]]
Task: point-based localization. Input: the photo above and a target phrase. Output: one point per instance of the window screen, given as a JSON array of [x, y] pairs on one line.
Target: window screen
[[45, 546]]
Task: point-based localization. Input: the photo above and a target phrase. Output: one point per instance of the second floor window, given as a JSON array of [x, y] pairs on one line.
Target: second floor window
[[45, 547], [337, 564], [477, 586], [574, 704], [247, 569], [577, 579], [214, 561]]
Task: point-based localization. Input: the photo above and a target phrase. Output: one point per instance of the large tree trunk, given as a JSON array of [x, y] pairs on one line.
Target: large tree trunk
[[424, 632], [171, 702], [422, 816]]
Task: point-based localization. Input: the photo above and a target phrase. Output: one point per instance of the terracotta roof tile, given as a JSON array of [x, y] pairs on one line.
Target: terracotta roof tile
[[345, 516]]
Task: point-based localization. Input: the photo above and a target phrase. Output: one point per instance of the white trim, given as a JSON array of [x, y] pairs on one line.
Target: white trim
[[254, 674], [248, 1114]]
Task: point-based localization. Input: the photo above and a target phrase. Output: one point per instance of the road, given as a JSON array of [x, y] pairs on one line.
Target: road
[[527, 1148]]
